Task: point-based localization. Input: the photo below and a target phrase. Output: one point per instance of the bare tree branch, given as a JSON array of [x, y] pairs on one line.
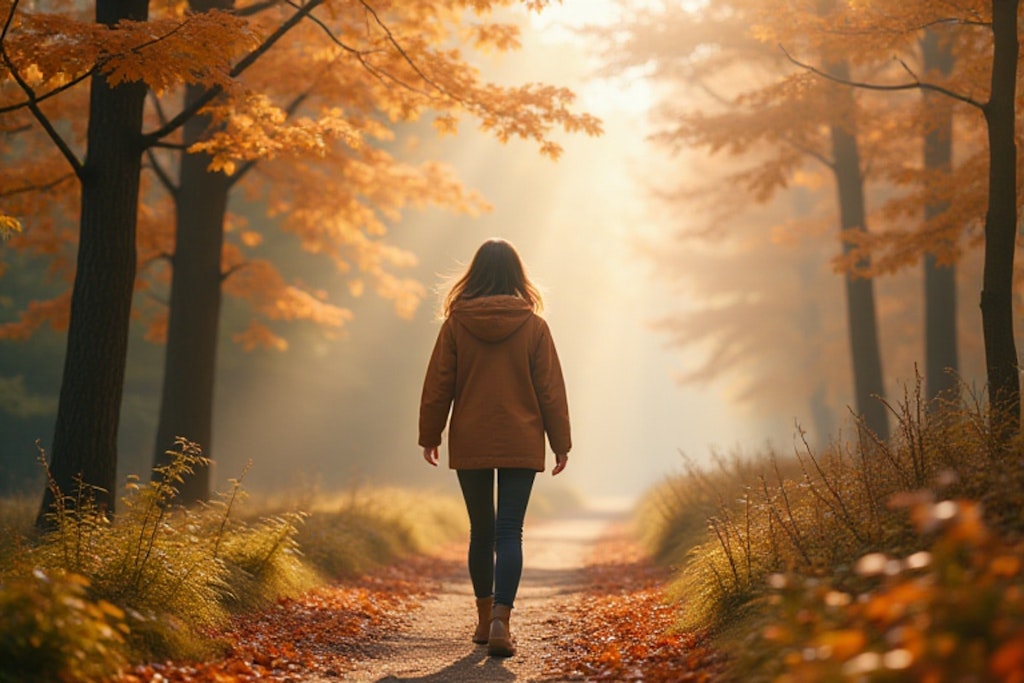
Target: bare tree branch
[[158, 107], [241, 172], [945, 21], [914, 85], [360, 55], [813, 153], [233, 269], [255, 8], [394, 42], [16, 130], [50, 93], [187, 113], [38, 188], [32, 104], [161, 173], [170, 145]]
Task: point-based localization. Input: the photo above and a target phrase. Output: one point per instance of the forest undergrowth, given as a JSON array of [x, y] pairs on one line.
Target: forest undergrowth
[[96, 596], [867, 561]]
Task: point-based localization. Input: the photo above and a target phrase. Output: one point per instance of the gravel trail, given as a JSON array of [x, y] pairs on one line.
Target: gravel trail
[[433, 642]]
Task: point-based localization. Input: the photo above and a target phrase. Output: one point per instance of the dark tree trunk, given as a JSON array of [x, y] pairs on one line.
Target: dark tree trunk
[[85, 437], [186, 407], [860, 291], [940, 342], [1001, 226]]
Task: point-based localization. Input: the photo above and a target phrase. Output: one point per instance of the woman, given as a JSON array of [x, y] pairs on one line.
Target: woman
[[495, 366]]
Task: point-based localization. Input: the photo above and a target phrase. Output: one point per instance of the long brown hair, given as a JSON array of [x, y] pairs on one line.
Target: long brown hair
[[496, 269]]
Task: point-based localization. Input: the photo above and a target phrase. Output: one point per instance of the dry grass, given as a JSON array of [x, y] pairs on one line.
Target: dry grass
[[814, 515], [171, 576]]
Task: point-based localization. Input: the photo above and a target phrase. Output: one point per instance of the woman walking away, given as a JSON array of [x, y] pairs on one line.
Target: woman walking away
[[495, 366]]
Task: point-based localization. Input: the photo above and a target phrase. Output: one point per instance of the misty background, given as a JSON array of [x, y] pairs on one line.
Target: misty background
[[343, 412]]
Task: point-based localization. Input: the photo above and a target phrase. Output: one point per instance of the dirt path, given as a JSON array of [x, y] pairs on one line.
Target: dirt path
[[433, 643]]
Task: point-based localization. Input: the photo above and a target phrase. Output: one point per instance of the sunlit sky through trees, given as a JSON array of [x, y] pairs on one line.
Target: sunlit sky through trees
[[344, 410]]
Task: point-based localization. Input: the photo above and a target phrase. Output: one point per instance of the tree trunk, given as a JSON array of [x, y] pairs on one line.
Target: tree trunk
[[860, 291], [809, 326], [940, 340], [186, 407], [85, 436], [1001, 227]]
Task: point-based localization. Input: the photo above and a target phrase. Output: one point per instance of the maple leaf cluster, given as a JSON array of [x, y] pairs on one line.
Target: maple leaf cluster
[[300, 106]]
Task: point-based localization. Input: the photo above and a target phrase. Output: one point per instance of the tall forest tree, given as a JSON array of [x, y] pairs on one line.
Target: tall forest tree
[[175, 50], [996, 56], [420, 79], [942, 356], [761, 110], [42, 56]]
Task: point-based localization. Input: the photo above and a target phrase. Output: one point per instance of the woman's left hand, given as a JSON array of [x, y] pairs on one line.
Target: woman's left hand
[[430, 455], [560, 462]]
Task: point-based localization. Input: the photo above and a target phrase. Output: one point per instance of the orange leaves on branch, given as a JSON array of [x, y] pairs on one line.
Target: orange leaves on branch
[[500, 37], [200, 48], [272, 299], [305, 117], [250, 127], [51, 50], [258, 335], [529, 111]]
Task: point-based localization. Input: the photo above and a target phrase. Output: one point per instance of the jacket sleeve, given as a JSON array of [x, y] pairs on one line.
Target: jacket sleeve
[[438, 389], [550, 388]]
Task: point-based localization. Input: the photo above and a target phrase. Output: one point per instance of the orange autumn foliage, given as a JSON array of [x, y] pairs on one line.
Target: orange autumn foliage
[[302, 120], [624, 628], [747, 131]]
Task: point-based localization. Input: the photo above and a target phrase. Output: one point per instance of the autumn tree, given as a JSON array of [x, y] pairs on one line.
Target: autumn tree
[[995, 58], [247, 126], [398, 70], [44, 55], [758, 108]]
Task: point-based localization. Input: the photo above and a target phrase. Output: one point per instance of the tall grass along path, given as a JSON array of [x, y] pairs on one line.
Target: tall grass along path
[[589, 608]]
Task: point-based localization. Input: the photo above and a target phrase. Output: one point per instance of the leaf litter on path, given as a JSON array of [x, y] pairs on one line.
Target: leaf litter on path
[[607, 620], [623, 627]]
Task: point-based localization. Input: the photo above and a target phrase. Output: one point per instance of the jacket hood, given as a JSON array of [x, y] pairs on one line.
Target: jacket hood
[[492, 318]]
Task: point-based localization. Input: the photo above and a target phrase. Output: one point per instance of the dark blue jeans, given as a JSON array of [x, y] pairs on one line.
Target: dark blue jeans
[[496, 538]]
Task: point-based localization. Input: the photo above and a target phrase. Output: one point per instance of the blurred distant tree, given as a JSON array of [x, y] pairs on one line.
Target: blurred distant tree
[[988, 34], [942, 357], [777, 118], [407, 66], [930, 206], [771, 310]]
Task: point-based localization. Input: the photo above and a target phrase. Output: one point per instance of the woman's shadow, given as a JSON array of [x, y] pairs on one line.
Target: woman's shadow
[[475, 667]]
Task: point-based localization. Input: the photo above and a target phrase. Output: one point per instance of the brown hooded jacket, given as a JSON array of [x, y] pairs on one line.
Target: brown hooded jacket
[[495, 366]]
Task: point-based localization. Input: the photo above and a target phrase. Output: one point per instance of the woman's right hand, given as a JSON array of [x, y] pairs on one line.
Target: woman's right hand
[[560, 462], [430, 455]]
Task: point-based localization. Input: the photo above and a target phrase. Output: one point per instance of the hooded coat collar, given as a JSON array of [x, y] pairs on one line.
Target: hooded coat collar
[[492, 318]]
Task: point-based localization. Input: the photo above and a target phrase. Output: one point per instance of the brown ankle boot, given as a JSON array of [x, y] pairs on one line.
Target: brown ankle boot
[[483, 624], [499, 641]]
